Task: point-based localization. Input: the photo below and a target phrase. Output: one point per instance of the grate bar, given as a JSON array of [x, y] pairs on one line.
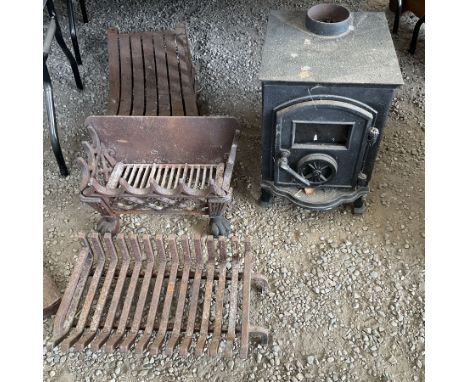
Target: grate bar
[[164, 103], [194, 300], [151, 97], [138, 99], [213, 350], [158, 174], [144, 180], [117, 336], [244, 346], [154, 349], [143, 291], [114, 71], [187, 82], [204, 176], [71, 297], [233, 300], [181, 301], [151, 176], [89, 296], [177, 107], [207, 301], [132, 173], [105, 332], [165, 171], [89, 333], [170, 179], [197, 176], [126, 83], [141, 170], [141, 344]]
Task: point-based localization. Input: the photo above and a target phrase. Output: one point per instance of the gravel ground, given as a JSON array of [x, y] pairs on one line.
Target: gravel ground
[[347, 292]]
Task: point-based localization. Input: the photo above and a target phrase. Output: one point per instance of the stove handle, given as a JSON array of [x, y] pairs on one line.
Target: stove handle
[[282, 163], [373, 135]]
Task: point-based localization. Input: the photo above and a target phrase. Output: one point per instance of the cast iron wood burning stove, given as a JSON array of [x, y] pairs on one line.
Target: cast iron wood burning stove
[[328, 78]]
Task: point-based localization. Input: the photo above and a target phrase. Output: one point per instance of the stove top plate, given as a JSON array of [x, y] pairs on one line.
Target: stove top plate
[[363, 55]]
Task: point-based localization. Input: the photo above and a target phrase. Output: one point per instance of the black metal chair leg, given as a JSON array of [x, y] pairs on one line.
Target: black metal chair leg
[[414, 39], [396, 22], [83, 11], [71, 59], [72, 27], [54, 140], [63, 46]]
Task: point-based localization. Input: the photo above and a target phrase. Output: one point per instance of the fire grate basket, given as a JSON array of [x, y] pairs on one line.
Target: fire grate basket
[[142, 290], [161, 165]]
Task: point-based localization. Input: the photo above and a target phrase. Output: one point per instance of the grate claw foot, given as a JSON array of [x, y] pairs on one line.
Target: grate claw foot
[[220, 226], [108, 224]]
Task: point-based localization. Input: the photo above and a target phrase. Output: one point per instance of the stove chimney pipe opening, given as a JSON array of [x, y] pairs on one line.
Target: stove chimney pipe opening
[[328, 20]]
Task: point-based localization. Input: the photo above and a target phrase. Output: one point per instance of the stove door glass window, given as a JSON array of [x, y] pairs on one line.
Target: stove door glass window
[[311, 134]]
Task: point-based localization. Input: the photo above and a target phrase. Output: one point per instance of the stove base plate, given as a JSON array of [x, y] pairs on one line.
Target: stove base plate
[[319, 199]]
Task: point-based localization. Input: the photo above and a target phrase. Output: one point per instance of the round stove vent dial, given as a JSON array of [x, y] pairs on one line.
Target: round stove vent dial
[[317, 168]]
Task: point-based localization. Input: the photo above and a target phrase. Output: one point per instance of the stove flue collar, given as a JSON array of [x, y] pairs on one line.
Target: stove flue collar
[[328, 20]]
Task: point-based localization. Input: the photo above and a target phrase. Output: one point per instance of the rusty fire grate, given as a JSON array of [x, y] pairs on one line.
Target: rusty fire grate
[[166, 176], [163, 179], [140, 290], [162, 165]]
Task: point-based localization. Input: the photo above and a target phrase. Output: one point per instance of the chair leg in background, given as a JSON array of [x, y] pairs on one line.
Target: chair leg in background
[[72, 27], [396, 22], [54, 140], [414, 39], [83, 11], [63, 46], [71, 59]]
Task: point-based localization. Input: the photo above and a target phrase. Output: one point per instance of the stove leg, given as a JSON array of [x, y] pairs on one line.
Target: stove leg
[[109, 224], [265, 198], [359, 206]]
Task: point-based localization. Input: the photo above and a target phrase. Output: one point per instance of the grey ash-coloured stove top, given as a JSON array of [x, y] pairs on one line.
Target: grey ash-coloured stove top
[[364, 55]]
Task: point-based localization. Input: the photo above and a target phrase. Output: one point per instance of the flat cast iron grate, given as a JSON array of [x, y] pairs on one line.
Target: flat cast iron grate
[[146, 291]]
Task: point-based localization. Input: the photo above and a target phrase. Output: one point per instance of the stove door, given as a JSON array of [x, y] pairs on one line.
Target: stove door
[[321, 142]]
